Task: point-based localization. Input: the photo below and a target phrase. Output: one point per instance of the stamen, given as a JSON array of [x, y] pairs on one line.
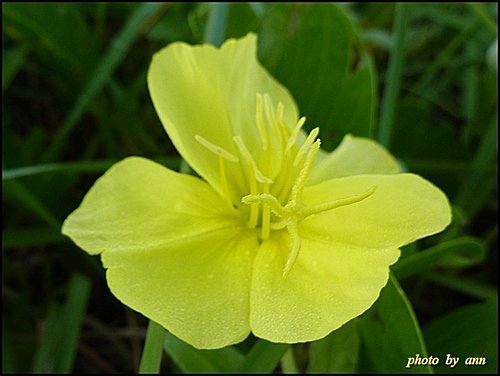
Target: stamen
[[293, 137], [305, 146], [223, 155], [299, 185], [259, 119], [269, 111], [225, 185], [257, 174], [216, 149], [310, 210], [268, 199], [294, 248], [266, 216]]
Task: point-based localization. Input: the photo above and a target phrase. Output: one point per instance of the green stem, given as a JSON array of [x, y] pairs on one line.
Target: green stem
[[394, 73], [215, 28], [153, 349]]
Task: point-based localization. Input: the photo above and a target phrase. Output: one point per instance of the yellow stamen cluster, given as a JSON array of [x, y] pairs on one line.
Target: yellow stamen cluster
[[275, 203]]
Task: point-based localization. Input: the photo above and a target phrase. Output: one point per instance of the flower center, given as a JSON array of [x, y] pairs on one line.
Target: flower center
[[275, 203]]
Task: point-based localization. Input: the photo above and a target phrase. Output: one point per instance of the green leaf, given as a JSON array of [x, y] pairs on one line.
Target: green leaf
[[59, 342], [14, 237], [58, 31], [191, 360], [12, 60], [20, 193], [336, 353], [459, 252], [118, 49], [391, 334], [263, 357], [315, 51], [153, 349], [75, 167], [394, 73], [468, 331]]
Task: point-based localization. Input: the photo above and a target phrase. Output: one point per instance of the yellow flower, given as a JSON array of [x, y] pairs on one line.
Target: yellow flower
[[277, 237]]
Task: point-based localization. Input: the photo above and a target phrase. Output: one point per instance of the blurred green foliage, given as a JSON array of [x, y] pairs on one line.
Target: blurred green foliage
[[75, 101]]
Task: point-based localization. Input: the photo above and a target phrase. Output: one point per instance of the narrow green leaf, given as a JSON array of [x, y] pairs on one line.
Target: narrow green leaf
[[394, 73], [78, 167], [153, 349], [44, 359], [288, 363], [191, 360], [472, 192], [118, 49], [73, 313], [263, 357], [467, 286], [12, 61], [390, 333], [13, 237], [460, 252], [216, 24], [31, 202], [8, 359], [316, 52], [336, 353], [59, 342], [470, 331]]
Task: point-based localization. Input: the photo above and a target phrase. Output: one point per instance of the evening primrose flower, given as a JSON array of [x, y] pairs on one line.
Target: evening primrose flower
[[275, 236]]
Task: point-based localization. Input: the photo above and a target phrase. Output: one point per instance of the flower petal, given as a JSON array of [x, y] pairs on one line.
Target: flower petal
[[328, 285], [173, 250], [354, 156], [403, 208], [344, 256], [206, 92]]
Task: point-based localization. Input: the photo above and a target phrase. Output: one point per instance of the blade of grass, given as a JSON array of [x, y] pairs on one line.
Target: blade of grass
[[43, 360], [471, 194], [59, 342], [153, 349], [466, 286], [470, 88], [30, 237], [191, 360], [84, 166], [466, 251], [482, 14], [8, 359], [78, 167], [13, 60], [394, 72], [443, 59], [29, 201], [118, 49], [215, 28], [73, 314], [264, 357], [288, 364]]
